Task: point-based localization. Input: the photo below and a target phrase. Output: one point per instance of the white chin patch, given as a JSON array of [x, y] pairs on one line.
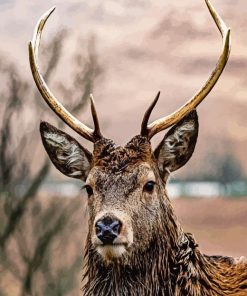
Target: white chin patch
[[109, 252]]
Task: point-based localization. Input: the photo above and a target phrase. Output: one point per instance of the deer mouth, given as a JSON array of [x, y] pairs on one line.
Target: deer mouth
[[116, 245], [111, 251]]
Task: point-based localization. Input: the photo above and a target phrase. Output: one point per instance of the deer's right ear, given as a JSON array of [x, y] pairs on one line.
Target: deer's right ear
[[68, 156]]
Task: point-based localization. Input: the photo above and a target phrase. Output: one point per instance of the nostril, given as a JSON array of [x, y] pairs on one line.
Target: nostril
[[116, 226], [97, 229]]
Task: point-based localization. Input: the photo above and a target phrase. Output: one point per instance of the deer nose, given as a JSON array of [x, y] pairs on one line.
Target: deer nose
[[107, 229]]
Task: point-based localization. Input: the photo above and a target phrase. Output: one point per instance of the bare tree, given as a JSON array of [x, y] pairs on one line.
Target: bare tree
[[19, 185]]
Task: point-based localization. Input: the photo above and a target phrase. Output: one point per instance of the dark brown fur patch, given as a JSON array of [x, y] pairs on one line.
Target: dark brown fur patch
[[117, 159]]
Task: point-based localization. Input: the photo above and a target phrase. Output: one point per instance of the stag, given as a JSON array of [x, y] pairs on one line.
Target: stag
[[135, 244]]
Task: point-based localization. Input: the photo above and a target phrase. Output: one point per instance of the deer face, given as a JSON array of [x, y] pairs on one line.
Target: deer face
[[125, 185]]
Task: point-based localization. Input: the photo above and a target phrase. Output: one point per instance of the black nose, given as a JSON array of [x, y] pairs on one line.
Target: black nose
[[107, 229]]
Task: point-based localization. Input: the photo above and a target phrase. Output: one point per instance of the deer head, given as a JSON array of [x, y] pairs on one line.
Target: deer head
[[127, 198]]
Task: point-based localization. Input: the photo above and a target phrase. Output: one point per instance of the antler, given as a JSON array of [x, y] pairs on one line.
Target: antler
[[149, 130], [55, 105]]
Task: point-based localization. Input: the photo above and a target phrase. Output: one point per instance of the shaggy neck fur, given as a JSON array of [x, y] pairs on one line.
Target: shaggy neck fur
[[171, 265], [147, 272]]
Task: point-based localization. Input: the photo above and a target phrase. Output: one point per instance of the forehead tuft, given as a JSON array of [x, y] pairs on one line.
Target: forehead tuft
[[120, 159]]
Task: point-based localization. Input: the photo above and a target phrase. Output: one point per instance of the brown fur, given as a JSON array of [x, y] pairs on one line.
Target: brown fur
[[170, 262], [156, 256]]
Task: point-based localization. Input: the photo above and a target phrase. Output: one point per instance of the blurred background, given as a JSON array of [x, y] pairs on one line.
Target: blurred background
[[124, 52]]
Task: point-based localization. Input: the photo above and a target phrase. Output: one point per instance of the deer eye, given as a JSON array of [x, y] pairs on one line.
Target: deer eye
[[149, 186], [89, 190]]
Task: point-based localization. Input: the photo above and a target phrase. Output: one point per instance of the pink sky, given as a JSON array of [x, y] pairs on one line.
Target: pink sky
[[146, 46]]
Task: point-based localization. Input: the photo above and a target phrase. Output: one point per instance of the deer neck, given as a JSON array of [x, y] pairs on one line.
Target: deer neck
[[145, 272]]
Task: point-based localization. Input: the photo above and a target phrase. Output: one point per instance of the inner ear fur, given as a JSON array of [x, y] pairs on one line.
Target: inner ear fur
[[68, 156], [178, 144]]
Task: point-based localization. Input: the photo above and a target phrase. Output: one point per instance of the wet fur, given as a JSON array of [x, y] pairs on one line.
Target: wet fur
[[163, 259], [170, 263]]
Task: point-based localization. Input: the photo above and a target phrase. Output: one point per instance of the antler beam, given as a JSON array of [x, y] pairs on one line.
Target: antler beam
[[155, 127], [55, 105]]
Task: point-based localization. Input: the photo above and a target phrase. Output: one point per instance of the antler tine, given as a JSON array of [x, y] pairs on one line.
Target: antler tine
[[97, 132], [144, 129], [165, 122], [55, 105]]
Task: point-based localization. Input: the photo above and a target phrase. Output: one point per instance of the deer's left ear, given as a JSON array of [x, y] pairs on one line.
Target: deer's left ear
[[178, 144]]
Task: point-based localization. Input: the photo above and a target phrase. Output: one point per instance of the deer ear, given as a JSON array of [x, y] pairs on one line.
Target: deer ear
[[178, 144], [68, 156]]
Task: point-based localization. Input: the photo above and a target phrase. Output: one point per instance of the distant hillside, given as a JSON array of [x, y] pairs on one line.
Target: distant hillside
[[145, 46]]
